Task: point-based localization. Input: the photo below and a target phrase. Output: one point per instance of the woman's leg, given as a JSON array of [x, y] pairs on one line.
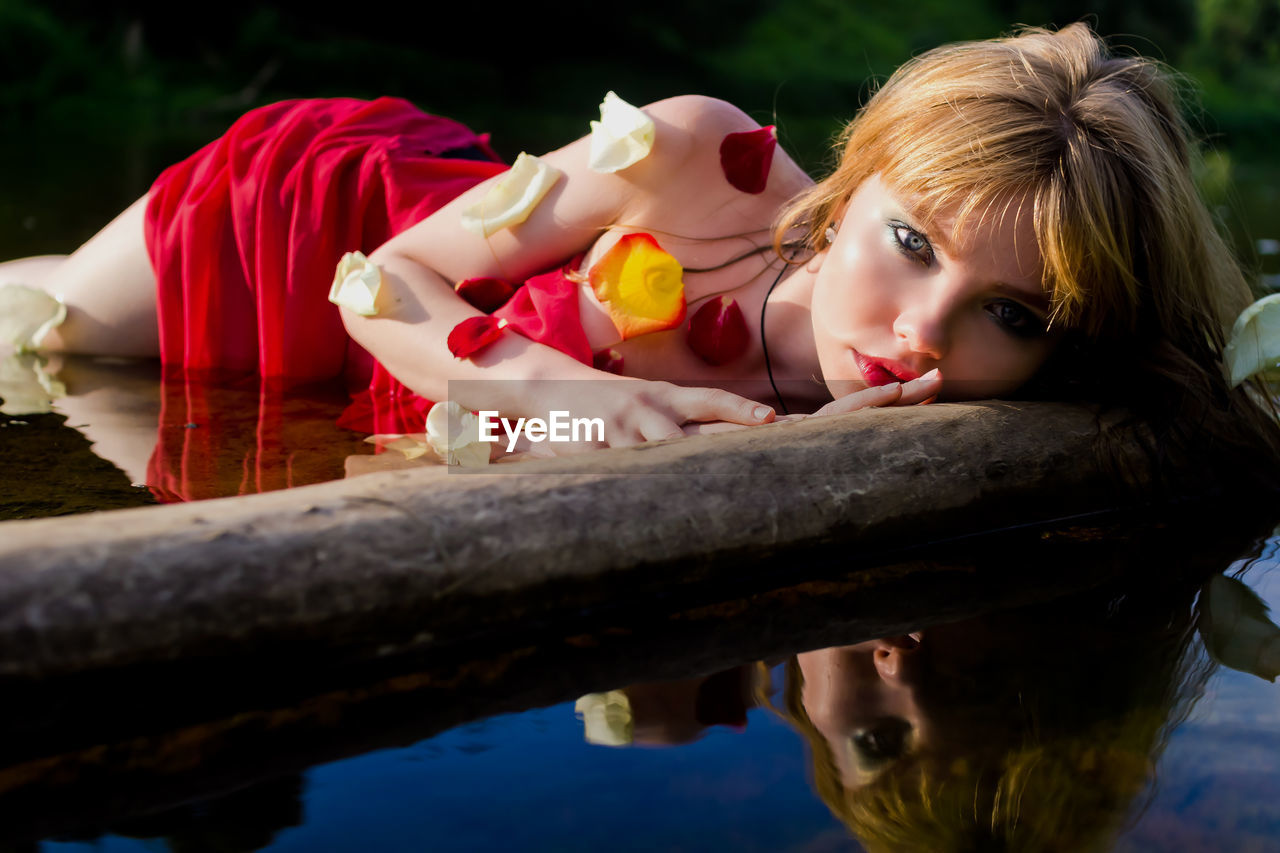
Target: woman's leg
[[108, 287]]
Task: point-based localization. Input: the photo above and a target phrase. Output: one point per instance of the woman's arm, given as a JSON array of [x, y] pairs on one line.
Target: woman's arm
[[419, 306]]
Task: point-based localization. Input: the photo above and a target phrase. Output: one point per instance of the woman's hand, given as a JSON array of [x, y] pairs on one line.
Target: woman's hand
[[917, 391], [921, 390], [634, 411]]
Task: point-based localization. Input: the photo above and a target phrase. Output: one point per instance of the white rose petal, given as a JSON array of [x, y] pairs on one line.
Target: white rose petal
[[510, 201], [27, 314], [25, 387], [454, 433], [356, 283], [606, 718], [1254, 344], [1236, 629], [622, 137], [407, 445]]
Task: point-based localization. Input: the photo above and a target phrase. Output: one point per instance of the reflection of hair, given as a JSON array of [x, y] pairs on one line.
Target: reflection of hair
[[1097, 144], [1073, 727]]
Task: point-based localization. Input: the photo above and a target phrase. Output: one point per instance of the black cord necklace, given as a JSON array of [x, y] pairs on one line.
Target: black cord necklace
[[764, 345]]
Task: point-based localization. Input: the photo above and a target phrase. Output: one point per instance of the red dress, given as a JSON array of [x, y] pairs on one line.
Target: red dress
[[245, 234]]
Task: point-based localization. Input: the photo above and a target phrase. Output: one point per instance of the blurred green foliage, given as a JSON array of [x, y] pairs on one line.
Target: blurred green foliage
[[536, 75], [106, 94]]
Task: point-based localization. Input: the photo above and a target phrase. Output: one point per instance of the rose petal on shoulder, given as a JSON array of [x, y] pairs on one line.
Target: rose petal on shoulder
[[718, 331], [1254, 342], [474, 334], [512, 197], [747, 157], [640, 285], [622, 137], [356, 283]]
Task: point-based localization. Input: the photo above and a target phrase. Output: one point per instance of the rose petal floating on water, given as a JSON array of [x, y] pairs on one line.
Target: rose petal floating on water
[[512, 197], [640, 285], [408, 445], [454, 433], [718, 332], [1236, 629], [623, 136], [27, 314], [747, 157], [606, 718], [474, 334], [485, 293], [25, 387], [356, 283], [608, 360], [1254, 343]]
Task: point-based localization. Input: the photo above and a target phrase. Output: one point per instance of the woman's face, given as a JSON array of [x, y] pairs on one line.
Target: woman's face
[[894, 299], [863, 700]]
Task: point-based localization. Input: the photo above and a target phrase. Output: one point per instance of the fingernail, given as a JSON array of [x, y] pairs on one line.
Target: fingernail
[[760, 412], [932, 374], [888, 386]]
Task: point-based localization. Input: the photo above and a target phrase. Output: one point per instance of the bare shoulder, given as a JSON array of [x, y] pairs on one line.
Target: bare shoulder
[[695, 124], [702, 114]]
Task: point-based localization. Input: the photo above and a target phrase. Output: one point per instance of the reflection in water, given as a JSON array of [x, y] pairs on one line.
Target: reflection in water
[[1042, 727], [1035, 729], [240, 821], [183, 437]]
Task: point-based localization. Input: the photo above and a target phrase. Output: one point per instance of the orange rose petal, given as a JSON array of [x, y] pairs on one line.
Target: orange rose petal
[[718, 332], [640, 285]]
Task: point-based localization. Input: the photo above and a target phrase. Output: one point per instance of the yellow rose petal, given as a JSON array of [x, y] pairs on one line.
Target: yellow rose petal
[[623, 136], [512, 198], [1254, 344], [356, 283], [454, 433], [640, 285]]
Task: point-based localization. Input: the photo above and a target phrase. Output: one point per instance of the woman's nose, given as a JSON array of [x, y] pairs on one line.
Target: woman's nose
[[922, 329]]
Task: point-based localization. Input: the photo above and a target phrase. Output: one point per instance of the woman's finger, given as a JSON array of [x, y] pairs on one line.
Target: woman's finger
[[879, 395], [713, 404], [921, 390]]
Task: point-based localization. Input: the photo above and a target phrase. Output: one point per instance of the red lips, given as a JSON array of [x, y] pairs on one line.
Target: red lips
[[882, 371]]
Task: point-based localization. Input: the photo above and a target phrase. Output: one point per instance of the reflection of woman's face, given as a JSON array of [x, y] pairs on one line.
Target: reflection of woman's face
[[864, 700]]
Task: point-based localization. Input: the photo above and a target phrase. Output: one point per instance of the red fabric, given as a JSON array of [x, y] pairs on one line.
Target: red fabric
[[245, 234]]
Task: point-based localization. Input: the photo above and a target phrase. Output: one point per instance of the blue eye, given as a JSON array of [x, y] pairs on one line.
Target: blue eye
[[1015, 319], [912, 243]]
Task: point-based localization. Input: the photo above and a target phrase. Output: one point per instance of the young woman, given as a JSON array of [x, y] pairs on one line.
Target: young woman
[[1014, 216]]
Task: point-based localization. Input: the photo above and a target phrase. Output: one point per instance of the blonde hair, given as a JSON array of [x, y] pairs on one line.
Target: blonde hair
[[1074, 729], [1136, 270]]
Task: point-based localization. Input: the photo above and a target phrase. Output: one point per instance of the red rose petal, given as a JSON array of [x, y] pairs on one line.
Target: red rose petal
[[485, 293], [746, 158], [608, 360], [718, 332], [474, 334]]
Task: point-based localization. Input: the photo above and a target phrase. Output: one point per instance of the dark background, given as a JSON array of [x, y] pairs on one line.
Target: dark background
[[98, 97]]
